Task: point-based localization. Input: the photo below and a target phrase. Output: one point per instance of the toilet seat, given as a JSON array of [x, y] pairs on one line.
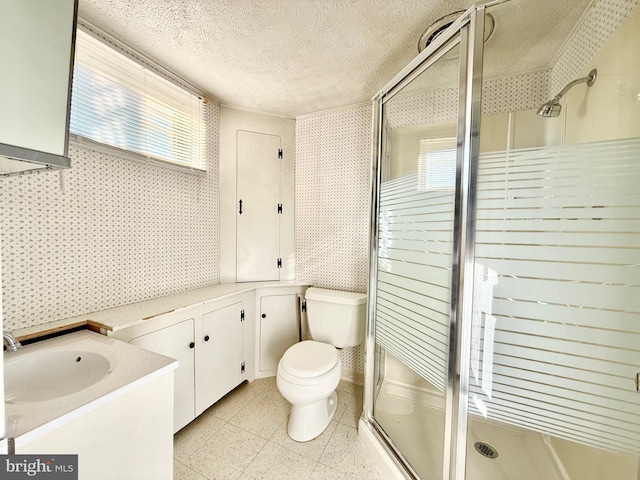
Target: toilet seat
[[308, 359]]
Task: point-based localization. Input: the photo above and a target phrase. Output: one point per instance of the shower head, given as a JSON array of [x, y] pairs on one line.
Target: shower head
[[552, 107]]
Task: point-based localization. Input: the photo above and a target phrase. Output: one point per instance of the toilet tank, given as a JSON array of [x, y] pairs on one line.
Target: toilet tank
[[336, 317]]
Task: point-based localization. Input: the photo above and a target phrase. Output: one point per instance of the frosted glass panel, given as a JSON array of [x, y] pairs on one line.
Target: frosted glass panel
[[414, 275], [414, 264], [558, 228]]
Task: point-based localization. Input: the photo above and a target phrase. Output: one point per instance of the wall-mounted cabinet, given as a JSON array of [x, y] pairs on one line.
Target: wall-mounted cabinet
[[36, 54]]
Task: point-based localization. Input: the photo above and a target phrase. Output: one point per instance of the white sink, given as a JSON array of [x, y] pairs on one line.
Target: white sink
[[49, 374]]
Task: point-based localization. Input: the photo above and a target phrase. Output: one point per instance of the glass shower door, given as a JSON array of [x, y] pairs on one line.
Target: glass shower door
[[555, 350], [414, 262]]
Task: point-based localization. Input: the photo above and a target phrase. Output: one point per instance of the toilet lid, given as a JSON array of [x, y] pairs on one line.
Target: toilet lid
[[309, 359]]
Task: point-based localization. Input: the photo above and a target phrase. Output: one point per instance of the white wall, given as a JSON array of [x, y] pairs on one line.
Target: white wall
[[610, 109], [117, 232], [232, 120]]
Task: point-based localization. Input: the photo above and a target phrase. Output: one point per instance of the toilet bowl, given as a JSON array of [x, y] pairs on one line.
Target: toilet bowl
[[309, 371], [307, 377]]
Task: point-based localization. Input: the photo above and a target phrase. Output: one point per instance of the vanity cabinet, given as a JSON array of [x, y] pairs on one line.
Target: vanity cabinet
[[176, 341], [128, 437]]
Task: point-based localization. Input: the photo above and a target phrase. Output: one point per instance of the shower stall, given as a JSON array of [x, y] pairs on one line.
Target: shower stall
[[503, 335]]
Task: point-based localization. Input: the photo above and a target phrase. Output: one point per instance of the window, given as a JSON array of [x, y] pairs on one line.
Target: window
[[118, 102], [437, 164]]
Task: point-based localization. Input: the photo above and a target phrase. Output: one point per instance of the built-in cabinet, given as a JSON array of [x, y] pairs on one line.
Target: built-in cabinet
[[279, 329], [176, 341], [259, 207], [220, 363], [209, 343], [221, 342], [256, 166]]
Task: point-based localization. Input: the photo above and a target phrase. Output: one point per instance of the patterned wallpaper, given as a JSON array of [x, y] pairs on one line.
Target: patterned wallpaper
[[333, 161], [519, 92], [113, 231]]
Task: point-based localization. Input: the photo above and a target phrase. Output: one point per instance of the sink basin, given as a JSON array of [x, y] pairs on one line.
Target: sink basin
[[49, 374]]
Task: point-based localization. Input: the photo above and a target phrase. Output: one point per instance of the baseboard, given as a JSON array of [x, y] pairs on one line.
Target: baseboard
[[353, 376]]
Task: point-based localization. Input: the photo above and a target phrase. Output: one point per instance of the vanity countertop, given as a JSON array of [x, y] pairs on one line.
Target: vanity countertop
[[124, 316], [130, 367]]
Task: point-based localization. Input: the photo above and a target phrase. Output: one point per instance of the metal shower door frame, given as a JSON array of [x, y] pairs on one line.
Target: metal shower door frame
[[470, 27]]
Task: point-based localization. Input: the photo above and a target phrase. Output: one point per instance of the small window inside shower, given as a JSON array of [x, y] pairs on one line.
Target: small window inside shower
[[437, 164]]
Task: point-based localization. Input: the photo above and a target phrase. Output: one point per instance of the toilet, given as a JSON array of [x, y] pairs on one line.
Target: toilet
[[309, 371]]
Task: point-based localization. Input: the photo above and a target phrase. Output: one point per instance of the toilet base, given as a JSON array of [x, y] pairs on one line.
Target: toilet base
[[309, 421]]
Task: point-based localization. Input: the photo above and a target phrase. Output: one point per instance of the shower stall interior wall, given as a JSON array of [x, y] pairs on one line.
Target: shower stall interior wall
[[503, 336]]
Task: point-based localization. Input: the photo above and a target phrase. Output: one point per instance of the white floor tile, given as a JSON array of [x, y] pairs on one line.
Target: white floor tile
[[193, 436], [353, 410], [262, 416], [229, 405], [312, 449], [344, 399], [266, 387], [322, 472], [244, 436], [277, 463], [345, 453], [182, 472], [226, 454]]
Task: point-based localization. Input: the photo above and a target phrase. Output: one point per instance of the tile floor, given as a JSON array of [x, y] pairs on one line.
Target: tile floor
[[244, 436]]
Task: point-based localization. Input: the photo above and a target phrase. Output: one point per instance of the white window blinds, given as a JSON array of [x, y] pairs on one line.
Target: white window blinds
[[118, 102]]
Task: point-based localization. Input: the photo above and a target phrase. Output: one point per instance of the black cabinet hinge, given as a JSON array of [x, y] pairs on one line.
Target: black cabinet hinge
[[242, 367], [304, 306], [279, 263], [279, 153], [242, 315], [279, 208]]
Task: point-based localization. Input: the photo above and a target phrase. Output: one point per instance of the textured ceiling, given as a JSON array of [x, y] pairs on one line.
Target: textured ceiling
[[293, 57]]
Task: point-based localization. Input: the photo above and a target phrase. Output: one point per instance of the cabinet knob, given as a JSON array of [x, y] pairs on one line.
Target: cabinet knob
[[192, 345], [206, 338], [264, 315]]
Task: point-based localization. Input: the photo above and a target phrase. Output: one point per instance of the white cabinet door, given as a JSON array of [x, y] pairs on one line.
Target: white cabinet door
[[258, 220], [218, 355], [176, 342], [278, 328]]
